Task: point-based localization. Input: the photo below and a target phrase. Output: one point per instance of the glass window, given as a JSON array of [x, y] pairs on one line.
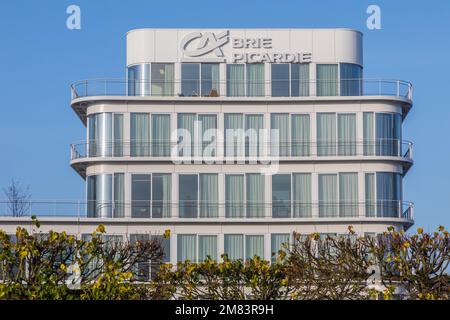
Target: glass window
[[389, 190], [141, 185], [348, 195], [186, 134], [301, 184], [281, 196], [255, 195], [186, 247], [255, 79], [100, 135], [368, 133], [140, 134], [161, 135], [351, 79], [280, 80], [188, 195], [388, 134], [161, 195], [370, 194], [234, 246], [162, 79], [209, 207], [200, 79], [118, 135], [300, 135], [207, 247], [300, 79], [328, 195], [119, 195], [254, 246], [346, 134], [254, 123], [234, 196], [190, 79], [210, 79], [327, 79], [234, 134], [279, 123], [100, 196], [235, 80], [326, 134], [279, 241], [139, 80], [208, 123]]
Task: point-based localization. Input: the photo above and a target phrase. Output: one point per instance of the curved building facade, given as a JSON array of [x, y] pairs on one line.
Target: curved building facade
[[233, 139]]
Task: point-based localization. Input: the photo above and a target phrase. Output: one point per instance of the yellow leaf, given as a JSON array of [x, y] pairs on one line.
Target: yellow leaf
[[167, 234], [101, 229]]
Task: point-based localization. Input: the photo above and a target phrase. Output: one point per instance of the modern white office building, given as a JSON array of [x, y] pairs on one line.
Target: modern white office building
[[235, 138]]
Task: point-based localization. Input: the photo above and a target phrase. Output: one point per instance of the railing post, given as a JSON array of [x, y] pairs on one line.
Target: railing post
[[398, 88]]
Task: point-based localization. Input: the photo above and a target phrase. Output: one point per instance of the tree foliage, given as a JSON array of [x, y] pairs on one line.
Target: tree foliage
[[60, 266]]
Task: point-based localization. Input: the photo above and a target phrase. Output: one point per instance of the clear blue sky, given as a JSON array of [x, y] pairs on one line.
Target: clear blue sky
[[40, 57]]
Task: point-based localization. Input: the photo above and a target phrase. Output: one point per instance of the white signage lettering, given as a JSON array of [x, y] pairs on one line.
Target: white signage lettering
[[197, 46]]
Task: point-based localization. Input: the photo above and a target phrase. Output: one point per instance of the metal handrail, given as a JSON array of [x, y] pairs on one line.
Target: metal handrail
[[173, 210], [153, 148], [218, 88]]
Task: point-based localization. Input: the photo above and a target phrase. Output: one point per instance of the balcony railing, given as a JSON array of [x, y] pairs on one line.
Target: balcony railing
[[235, 89], [294, 150], [197, 210]]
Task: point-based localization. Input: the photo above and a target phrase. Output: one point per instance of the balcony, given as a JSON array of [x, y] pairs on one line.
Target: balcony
[[197, 212], [221, 89], [285, 151]]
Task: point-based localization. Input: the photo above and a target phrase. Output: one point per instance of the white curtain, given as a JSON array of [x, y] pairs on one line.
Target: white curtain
[[161, 195], [279, 241], [300, 135], [326, 134], [255, 195], [208, 195], [328, 195], [300, 79], [368, 134], [186, 247], [234, 196], [207, 247], [348, 195], [280, 122], [347, 134], [119, 195], [235, 80], [140, 134], [234, 246], [370, 194], [254, 246], [118, 135], [302, 195], [234, 134], [162, 79], [255, 79], [254, 123], [208, 122], [327, 79], [186, 122], [161, 135]]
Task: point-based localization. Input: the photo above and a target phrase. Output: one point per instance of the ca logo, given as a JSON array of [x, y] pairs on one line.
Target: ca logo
[[206, 43]]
